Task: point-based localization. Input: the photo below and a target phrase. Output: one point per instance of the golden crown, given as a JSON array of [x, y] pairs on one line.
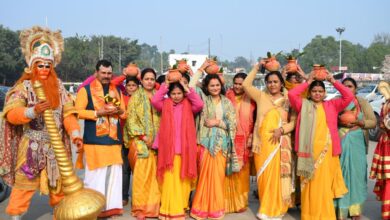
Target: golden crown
[[41, 44]]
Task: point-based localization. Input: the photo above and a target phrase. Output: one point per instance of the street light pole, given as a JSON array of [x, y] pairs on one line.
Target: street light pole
[[340, 30]]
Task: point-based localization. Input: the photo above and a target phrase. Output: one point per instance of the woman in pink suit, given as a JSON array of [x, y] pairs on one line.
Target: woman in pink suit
[[176, 163]]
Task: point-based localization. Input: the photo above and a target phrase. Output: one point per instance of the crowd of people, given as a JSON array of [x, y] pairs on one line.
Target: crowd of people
[[190, 146]]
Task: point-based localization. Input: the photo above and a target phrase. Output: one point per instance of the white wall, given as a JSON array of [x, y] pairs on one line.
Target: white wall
[[193, 60]]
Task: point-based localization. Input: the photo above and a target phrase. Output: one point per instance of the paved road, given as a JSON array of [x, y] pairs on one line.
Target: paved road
[[40, 209]]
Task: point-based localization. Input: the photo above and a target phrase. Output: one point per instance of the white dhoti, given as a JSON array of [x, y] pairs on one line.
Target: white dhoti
[[108, 181]]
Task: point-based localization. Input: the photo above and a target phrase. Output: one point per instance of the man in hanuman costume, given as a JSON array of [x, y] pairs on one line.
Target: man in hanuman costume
[[27, 160]]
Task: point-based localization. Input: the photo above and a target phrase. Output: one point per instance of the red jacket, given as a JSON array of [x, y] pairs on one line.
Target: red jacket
[[331, 108]]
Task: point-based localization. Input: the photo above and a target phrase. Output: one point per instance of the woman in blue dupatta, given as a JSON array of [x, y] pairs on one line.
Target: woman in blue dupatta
[[353, 161]]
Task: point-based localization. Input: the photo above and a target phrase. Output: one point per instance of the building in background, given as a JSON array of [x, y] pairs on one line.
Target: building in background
[[193, 60]]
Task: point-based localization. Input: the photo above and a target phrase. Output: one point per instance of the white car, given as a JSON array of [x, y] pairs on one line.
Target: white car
[[331, 91], [369, 92], [376, 106]]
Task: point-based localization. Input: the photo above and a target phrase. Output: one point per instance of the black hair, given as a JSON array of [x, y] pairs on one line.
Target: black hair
[[239, 75], [185, 75], [278, 74], [289, 75], [206, 82], [174, 85], [316, 83], [160, 79], [148, 70], [132, 79], [104, 63], [351, 80]]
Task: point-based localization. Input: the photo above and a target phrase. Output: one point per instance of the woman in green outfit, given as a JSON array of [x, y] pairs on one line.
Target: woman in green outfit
[[354, 142]]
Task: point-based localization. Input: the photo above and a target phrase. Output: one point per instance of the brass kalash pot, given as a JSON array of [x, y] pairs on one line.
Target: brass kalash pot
[[78, 203]]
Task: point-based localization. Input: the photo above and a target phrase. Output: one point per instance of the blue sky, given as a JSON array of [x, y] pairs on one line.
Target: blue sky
[[236, 28]]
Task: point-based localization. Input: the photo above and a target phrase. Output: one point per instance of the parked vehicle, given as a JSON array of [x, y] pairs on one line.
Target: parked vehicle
[[369, 92], [376, 106], [5, 190], [331, 91]]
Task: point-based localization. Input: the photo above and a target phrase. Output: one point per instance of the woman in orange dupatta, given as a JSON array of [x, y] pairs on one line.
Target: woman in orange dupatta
[[237, 184]]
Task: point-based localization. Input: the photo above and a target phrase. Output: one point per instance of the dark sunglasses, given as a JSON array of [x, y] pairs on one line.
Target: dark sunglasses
[[46, 66]]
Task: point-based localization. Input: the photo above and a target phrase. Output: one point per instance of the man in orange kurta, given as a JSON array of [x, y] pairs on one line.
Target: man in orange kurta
[[28, 162], [101, 106]]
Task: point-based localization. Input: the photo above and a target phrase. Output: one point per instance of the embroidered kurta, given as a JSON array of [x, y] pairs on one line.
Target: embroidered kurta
[[96, 155], [27, 160], [29, 140]]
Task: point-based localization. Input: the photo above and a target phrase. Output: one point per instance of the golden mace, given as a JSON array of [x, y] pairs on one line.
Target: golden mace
[[78, 203]]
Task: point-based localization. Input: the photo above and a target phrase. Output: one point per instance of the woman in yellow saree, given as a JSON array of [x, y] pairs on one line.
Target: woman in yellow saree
[[272, 149], [142, 125], [318, 145]]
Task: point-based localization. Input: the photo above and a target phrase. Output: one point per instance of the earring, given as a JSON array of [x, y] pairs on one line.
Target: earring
[[27, 70]]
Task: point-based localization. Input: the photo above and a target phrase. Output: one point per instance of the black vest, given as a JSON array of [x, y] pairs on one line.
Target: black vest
[[90, 126]]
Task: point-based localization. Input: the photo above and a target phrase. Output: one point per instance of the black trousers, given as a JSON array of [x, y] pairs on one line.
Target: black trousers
[[126, 173]]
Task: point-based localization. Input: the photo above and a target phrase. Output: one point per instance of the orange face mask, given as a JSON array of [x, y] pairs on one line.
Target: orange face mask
[[43, 70]]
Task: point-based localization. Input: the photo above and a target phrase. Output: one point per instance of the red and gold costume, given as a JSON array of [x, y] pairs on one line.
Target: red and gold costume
[[380, 168]]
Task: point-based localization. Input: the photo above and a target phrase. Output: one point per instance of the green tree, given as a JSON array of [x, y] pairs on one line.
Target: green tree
[[377, 51], [240, 62], [78, 59], [149, 57], [11, 60], [130, 50], [320, 50], [81, 54]]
